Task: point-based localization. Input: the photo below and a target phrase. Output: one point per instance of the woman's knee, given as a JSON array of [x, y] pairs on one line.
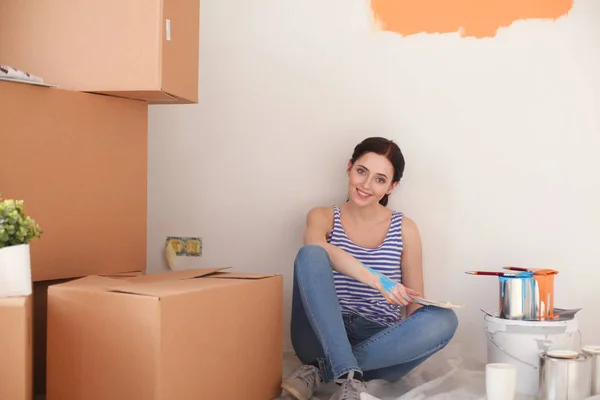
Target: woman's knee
[[310, 257], [442, 322], [446, 323]]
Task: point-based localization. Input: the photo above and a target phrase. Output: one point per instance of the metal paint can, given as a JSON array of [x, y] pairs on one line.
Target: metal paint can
[[593, 352], [519, 297], [565, 378], [520, 343], [544, 293]]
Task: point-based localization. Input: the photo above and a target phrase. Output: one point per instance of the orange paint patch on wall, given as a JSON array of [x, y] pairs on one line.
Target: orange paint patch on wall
[[473, 18]]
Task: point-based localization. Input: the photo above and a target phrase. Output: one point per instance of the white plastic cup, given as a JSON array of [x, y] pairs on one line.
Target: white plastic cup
[[500, 381]]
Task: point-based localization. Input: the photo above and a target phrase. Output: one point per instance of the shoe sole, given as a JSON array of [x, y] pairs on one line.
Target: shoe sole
[[293, 392]]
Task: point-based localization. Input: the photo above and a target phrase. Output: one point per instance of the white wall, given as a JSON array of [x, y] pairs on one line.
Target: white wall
[[501, 138]]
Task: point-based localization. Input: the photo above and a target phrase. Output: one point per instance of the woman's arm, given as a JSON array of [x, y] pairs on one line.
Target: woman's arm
[[319, 223], [412, 261]]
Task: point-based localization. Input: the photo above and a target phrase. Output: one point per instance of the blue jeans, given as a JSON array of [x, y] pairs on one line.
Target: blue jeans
[[341, 342]]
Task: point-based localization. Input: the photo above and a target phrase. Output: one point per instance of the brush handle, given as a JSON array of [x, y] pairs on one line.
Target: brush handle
[[491, 273], [520, 269]]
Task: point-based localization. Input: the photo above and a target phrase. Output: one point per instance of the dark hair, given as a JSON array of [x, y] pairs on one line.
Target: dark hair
[[383, 147]]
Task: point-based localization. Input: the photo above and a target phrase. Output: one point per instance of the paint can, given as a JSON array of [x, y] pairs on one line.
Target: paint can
[[518, 298], [529, 295], [520, 343], [544, 292], [565, 378], [594, 353]]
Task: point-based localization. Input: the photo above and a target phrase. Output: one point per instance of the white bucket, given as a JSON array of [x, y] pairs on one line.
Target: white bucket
[[520, 343], [15, 271]]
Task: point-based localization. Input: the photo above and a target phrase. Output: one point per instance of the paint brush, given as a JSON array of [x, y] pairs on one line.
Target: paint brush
[[492, 273], [536, 271], [521, 269]]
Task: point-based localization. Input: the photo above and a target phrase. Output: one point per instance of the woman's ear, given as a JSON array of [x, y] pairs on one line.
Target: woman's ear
[[349, 166], [391, 189]]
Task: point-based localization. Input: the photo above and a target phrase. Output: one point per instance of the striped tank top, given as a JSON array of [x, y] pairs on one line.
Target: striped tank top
[[355, 297]]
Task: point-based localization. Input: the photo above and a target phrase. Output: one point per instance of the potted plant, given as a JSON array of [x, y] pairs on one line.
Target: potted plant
[[16, 231]]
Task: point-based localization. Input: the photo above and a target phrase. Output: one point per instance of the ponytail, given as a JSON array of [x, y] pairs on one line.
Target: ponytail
[[384, 200]]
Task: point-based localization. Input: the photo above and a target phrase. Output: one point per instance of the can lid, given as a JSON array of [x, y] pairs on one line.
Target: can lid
[[568, 354], [592, 349]]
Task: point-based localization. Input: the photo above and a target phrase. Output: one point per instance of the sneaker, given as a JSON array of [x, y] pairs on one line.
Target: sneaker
[[302, 383], [285, 396], [350, 389]]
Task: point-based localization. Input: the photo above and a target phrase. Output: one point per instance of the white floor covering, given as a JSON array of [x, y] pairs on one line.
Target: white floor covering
[[448, 375]]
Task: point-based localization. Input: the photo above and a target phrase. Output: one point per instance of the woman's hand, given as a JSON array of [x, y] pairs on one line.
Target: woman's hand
[[399, 294], [394, 292]]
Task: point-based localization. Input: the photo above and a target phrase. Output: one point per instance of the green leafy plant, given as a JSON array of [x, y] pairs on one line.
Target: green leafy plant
[[15, 227]]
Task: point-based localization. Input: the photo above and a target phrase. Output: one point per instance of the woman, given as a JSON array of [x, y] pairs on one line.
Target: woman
[[360, 263]]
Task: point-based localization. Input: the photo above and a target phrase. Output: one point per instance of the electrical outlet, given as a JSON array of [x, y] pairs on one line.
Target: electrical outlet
[[193, 246], [185, 246]]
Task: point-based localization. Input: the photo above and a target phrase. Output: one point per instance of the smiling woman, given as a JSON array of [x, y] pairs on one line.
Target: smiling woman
[[359, 264], [383, 157]]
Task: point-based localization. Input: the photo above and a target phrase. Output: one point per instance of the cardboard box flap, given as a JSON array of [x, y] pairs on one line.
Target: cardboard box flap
[[130, 274], [152, 289], [88, 282], [235, 275], [176, 275]]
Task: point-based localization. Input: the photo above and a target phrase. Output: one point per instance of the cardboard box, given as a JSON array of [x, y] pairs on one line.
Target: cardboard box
[[40, 292], [40, 306], [142, 49], [195, 334], [79, 161], [15, 348]]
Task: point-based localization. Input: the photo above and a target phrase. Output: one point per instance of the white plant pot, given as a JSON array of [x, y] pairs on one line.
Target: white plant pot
[[15, 271]]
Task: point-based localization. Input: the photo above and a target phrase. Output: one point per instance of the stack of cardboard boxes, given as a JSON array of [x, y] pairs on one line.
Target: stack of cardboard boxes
[[96, 326]]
